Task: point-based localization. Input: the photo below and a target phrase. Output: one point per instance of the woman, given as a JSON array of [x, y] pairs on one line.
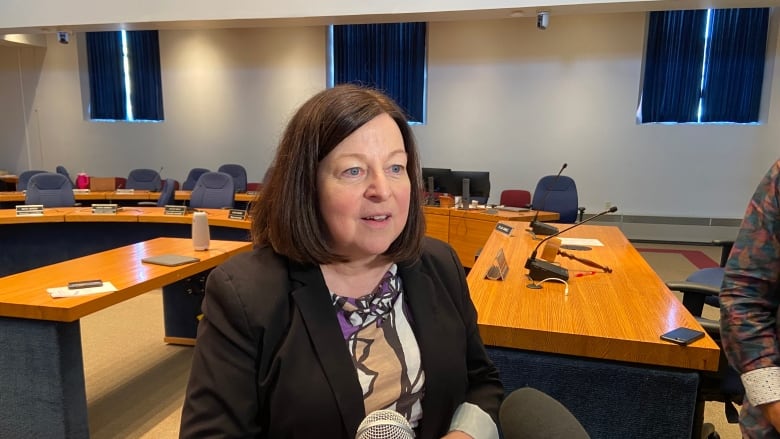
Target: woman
[[343, 307]]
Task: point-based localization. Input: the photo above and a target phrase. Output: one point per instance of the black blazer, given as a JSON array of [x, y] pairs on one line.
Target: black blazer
[[271, 361]]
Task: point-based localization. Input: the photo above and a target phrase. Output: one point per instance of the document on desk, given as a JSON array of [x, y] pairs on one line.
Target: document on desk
[[55, 292], [581, 241]]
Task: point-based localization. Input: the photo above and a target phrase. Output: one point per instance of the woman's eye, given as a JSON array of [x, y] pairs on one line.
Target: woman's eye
[[396, 169], [353, 172]]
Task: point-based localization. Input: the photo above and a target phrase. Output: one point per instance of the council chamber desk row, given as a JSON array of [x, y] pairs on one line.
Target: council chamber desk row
[[12, 198]]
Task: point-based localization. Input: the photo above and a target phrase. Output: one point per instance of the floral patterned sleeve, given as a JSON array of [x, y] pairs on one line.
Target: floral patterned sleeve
[[749, 295]]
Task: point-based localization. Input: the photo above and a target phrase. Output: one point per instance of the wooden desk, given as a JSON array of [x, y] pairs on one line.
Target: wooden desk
[[41, 368], [616, 316], [602, 340], [240, 196], [468, 230]]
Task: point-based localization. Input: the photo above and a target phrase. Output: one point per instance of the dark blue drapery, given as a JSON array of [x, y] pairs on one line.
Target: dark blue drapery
[[106, 79], [388, 57], [733, 65]]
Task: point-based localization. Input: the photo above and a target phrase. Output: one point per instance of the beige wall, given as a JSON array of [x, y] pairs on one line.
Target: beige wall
[[502, 96]]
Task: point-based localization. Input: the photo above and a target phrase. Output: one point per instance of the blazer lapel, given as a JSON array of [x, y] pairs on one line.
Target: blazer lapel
[[313, 299], [421, 295]]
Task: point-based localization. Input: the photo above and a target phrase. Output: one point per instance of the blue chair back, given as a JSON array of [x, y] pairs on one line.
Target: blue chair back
[[166, 193], [50, 189], [214, 190], [144, 179], [238, 173], [560, 197], [192, 178], [61, 170], [24, 178]]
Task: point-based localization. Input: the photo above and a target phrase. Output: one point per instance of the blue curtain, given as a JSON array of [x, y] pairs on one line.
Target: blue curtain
[[106, 83], [388, 57], [673, 64], [144, 58], [106, 77], [735, 72], [726, 81]]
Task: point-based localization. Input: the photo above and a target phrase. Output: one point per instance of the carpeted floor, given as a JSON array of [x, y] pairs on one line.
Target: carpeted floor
[[135, 382]]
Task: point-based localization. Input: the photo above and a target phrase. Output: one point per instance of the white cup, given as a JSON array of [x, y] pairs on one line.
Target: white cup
[[458, 200]]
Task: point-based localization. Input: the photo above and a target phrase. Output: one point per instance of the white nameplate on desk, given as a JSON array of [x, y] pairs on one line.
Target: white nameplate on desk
[[237, 214], [104, 209], [171, 209], [80, 191], [29, 210], [125, 191]]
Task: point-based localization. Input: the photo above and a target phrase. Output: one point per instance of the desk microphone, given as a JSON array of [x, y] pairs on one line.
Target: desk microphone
[[542, 228], [539, 269], [384, 424]]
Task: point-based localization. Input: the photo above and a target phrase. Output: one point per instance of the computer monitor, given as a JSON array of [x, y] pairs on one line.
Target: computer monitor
[[479, 184], [442, 180]]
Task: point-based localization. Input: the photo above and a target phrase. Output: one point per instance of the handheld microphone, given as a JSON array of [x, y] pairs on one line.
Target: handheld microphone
[[542, 228], [540, 269], [530, 414], [384, 424]]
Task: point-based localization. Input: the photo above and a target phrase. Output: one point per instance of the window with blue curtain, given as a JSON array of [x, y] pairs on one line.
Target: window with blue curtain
[[704, 66], [389, 57], [124, 76]]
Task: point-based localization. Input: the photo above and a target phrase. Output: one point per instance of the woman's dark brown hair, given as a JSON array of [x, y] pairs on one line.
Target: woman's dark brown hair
[[288, 217]]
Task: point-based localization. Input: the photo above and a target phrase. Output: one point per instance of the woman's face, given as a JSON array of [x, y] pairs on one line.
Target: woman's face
[[364, 190]]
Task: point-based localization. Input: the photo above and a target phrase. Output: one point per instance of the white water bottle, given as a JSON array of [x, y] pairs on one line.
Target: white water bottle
[[200, 231]]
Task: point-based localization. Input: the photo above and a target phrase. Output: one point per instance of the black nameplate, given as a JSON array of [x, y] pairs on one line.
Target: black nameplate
[[175, 210], [104, 209], [29, 210], [237, 214], [505, 229]]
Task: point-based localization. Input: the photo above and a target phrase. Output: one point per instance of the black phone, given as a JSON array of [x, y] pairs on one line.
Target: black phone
[[682, 335]]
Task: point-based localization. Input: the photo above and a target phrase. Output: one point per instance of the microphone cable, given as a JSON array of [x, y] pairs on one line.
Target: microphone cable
[[538, 285]]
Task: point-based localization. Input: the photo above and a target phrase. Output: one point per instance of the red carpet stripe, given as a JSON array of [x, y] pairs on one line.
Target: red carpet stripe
[[697, 258]]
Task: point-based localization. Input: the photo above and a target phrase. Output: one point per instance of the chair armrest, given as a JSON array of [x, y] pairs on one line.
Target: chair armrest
[[693, 294]]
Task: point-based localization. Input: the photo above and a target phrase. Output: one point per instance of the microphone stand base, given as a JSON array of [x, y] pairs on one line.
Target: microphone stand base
[[540, 228], [540, 270]]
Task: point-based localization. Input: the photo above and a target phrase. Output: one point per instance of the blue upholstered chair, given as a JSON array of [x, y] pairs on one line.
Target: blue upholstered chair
[[24, 178], [166, 194], [560, 196], [192, 178], [238, 173], [144, 179], [61, 170], [213, 190], [50, 189]]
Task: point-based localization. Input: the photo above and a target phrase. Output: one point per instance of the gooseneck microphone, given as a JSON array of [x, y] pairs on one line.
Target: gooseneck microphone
[[542, 228], [384, 424], [530, 414], [540, 269]]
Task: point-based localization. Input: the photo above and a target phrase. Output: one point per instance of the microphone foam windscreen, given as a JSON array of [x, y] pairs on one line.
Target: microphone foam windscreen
[[530, 414], [385, 424]]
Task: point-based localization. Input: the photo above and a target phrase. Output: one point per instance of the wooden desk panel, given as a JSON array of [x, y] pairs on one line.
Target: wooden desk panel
[[437, 222], [216, 217], [241, 196], [24, 294], [85, 215], [8, 216], [470, 229], [617, 316]]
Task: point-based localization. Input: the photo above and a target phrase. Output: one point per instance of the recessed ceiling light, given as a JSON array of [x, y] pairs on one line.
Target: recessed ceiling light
[[517, 14]]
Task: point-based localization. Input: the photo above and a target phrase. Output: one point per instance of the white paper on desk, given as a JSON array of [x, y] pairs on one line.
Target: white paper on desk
[[582, 241], [107, 287]]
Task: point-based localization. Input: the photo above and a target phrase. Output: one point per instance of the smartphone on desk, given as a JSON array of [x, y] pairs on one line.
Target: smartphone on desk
[[682, 335]]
